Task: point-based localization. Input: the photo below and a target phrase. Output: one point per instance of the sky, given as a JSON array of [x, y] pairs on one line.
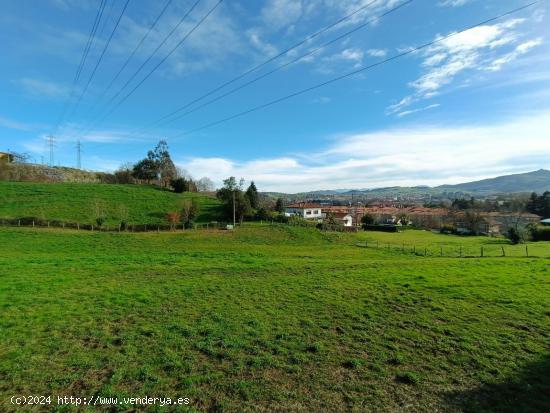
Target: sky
[[466, 106]]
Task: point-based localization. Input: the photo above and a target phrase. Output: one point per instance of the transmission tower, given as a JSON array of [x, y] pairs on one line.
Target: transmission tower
[[51, 145], [78, 154]]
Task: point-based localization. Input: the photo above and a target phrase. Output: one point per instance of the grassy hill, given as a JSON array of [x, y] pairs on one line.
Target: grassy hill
[[536, 181], [271, 319], [74, 202]]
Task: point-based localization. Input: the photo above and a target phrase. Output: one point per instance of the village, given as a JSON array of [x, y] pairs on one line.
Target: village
[[391, 218]]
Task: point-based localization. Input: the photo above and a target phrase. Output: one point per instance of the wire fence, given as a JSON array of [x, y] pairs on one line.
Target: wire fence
[[496, 250], [121, 227]]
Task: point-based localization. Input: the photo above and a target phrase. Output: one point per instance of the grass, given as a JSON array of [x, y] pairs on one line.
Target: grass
[[451, 245], [74, 202], [270, 319]]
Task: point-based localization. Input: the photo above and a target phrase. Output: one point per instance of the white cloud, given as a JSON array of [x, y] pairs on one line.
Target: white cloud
[[377, 52], [412, 111], [479, 49], [453, 3], [408, 156], [17, 125], [44, 88]]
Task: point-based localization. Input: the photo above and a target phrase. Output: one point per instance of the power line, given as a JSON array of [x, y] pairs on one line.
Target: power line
[[197, 25], [140, 68], [83, 58], [284, 65], [101, 56], [362, 69], [140, 43], [269, 60]]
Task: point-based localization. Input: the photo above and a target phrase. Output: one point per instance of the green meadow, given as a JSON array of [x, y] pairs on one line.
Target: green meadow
[[271, 318], [74, 202]]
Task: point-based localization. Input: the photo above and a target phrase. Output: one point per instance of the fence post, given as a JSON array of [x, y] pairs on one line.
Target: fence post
[[425, 251], [403, 248], [503, 253], [414, 249], [377, 244], [158, 228], [366, 243], [526, 251], [145, 227], [92, 227], [78, 226], [33, 223], [119, 227], [481, 251], [18, 222], [461, 251]]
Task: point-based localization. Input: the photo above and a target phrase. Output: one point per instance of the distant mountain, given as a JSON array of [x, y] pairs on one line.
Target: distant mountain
[[536, 181]]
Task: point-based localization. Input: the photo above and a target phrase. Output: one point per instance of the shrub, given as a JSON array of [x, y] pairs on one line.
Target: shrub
[[514, 236], [173, 218], [368, 219], [540, 233], [447, 229]]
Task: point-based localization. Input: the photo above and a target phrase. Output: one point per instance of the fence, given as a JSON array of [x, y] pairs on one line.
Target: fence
[[533, 250], [30, 222]]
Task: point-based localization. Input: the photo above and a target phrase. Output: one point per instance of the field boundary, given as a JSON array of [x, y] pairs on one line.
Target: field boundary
[[458, 251], [38, 223]]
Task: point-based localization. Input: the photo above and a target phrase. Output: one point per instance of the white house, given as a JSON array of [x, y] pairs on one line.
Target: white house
[[304, 210], [345, 218]]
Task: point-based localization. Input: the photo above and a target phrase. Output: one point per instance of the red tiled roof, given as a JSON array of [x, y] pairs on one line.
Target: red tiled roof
[[303, 205]]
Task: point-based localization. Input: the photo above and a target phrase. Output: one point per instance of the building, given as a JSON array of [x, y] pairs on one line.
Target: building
[[344, 218], [545, 222], [304, 210], [6, 157]]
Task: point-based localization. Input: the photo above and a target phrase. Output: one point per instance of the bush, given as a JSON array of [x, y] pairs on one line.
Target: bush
[[447, 229], [540, 233], [514, 236]]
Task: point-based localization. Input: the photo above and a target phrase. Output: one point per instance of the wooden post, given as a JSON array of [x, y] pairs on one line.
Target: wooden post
[[18, 222], [33, 223], [158, 228], [92, 227], [403, 248], [461, 251], [48, 224], [482, 251], [366, 243], [414, 249], [78, 226], [503, 253], [441, 252], [145, 227], [119, 227], [425, 251], [526, 251]]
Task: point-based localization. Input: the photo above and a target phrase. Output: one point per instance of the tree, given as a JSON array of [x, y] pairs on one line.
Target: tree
[[98, 211], [166, 168], [252, 195], [233, 190], [179, 185], [190, 210], [368, 219], [145, 170], [514, 236], [205, 184], [123, 175], [474, 221], [404, 219], [123, 215], [173, 218], [279, 205]]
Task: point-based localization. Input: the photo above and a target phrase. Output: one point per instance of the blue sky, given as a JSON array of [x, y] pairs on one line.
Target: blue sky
[[471, 106]]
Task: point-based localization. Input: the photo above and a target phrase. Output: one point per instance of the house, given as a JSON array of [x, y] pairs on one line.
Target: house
[[344, 218], [304, 210], [6, 157]]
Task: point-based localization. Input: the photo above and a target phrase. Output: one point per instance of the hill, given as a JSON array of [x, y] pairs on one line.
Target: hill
[[74, 202], [536, 181]]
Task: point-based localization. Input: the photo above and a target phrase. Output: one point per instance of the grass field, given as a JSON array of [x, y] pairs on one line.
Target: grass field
[[74, 202], [271, 319]]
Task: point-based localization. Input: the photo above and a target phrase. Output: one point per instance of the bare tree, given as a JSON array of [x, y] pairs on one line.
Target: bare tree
[[205, 184]]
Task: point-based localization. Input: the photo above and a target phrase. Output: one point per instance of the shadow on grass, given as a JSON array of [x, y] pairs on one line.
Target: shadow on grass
[[526, 391]]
